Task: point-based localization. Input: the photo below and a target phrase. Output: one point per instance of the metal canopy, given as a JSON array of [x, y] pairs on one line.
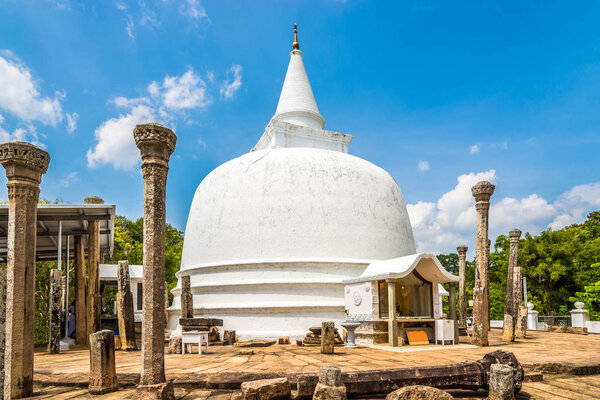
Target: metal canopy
[[73, 218]]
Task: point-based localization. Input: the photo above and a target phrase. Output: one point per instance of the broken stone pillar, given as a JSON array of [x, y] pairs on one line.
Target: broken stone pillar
[[24, 164], [103, 373], [125, 311], [508, 330], [392, 323], [521, 323], [94, 298], [2, 326], [229, 337], [502, 382], [482, 192], [175, 345], [330, 386], [156, 144], [452, 309], [518, 292], [55, 310], [187, 300], [267, 389], [327, 337], [80, 283], [462, 289], [418, 392]]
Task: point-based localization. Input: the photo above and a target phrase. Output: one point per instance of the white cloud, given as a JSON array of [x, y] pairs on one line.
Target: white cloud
[[182, 92], [423, 166], [474, 149], [129, 28], [230, 87], [441, 226], [115, 139], [20, 94], [72, 122], [202, 143], [193, 9], [72, 177]]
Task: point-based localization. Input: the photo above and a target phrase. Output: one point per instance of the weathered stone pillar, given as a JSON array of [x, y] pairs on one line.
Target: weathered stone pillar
[[55, 310], [80, 275], [2, 326], [103, 373], [24, 164], [156, 144], [482, 192], [94, 298], [462, 289], [452, 309], [392, 323], [521, 323], [125, 311], [518, 291], [487, 286], [502, 382], [330, 386], [508, 330], [327, 337], [187, 300]]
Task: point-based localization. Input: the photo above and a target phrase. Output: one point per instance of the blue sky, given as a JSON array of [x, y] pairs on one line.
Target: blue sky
[[440, 94]]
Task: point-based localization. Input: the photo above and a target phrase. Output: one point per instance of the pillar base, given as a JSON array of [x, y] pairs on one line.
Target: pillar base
[[160, 391]]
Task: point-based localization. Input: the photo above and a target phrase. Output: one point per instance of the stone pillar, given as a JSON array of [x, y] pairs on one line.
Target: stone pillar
[[502, 382], [103, 373], [487, 285], [521, 323], [187, 300], [94, 298], [24, 164], [80, 275], [508, 330], [579, 316], [2, 326], [125, 311], [55, 310], [452, 309], [462, 289], [166, 306], [482, 192], [156, 144], [518, 291], [392, 323], [330, 386], [327, 337]]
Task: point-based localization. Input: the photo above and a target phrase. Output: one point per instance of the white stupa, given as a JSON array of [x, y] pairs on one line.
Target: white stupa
[[272, 234]]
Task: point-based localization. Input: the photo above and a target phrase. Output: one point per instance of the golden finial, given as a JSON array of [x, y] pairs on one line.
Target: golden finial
[[296, 45]]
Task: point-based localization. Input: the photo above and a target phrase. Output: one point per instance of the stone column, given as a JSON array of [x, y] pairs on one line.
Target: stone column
[[327, 337], [452, 309], [24, 164], [125, 311], [392, 323], [80, 275], [518, 290], [156, 144], [330, 386], [55, 310], [103, 373], [521, 323], [2, 326], [482, 192], [508, 330], [94, 298], [462, 290], [187, 300], [502, 382]]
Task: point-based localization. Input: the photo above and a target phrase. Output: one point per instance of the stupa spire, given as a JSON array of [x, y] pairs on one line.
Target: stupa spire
[[297, 103]]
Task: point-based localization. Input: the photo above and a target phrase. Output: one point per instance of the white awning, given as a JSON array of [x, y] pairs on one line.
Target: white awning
[[425, 264], [108, 272]]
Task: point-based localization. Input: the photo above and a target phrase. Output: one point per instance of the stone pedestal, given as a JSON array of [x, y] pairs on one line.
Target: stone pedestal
[[156, 144], [521, 324], [80, 283], [103, 373], [532, 317], [482, 192], [125, 311], [350, 327], [579, 316], [55, 311], [327, 337], [187, 300], [330, 386], [2, 326], [462, 290], [94, 299], [502, 382], [24, 164]]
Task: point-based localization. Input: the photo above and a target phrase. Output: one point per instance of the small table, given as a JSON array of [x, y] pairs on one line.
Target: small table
[[194, 337]]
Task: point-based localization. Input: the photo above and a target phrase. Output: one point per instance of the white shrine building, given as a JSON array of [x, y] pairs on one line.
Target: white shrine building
[[273, 234]]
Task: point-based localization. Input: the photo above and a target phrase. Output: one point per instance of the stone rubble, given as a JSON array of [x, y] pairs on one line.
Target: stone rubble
[[330, 386], [267, 389]]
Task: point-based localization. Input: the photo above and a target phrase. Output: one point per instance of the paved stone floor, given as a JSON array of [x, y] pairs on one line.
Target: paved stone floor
[[541, 347]]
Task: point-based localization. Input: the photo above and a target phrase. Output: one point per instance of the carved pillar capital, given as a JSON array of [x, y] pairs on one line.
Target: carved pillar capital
[[514, 235], [156, 143], [462, 250], [482, 192]]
